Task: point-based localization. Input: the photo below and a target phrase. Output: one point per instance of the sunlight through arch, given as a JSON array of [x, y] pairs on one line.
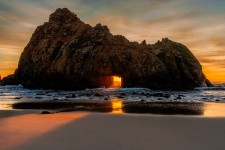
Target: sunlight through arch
[[117, 82]]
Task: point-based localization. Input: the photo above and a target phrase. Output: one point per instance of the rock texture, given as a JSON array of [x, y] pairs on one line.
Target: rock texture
[[10, 80], [66, 53]]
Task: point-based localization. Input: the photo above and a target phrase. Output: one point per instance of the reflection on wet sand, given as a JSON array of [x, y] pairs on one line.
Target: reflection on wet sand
[[120, 106], [19, 130], [6, 105], [214, 109], [117, 105]]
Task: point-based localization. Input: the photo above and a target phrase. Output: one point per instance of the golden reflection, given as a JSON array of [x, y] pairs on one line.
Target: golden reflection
[[117, 105], [6, 106], [22, 129], [214, 109], [117, 82]]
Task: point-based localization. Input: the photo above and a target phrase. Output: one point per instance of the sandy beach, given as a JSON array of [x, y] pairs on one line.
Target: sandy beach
[[29, 130]]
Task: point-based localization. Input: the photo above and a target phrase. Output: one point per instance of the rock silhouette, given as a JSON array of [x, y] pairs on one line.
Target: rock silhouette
[[66, 53]]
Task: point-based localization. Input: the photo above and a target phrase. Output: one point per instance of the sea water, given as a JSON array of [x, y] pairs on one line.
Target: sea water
[[213, 98], [19, 93]]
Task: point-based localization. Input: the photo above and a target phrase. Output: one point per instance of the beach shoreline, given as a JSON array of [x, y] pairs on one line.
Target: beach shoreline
[[91, 130]]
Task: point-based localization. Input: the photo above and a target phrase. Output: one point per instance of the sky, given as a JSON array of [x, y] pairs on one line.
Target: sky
[[198, 24]]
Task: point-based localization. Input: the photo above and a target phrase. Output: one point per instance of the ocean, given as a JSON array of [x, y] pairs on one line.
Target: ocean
[[13, 94]]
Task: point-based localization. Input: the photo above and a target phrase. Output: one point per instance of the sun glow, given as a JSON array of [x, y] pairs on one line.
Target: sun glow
[[15, 129], [117, 105], [117, 82]]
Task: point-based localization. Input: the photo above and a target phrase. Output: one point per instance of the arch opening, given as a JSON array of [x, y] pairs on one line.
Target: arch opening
[[113, 81], [116, 82]]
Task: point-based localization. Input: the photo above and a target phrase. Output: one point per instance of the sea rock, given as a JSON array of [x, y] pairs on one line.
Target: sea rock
[[98, 94], [106, 98], [66, 53], [10, 80], [46, 112], [72, 96], [120, 96], [178, 97]]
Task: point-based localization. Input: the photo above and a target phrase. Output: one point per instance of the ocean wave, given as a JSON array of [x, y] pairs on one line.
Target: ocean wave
[[216, 88]]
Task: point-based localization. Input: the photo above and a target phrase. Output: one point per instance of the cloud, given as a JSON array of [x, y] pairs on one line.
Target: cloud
[[199, 24]]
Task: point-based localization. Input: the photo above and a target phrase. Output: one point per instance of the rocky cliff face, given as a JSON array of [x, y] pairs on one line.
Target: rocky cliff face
[[66, 53]]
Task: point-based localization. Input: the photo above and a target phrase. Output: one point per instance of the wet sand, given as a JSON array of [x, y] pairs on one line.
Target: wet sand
[[185, 108], [108, 131]]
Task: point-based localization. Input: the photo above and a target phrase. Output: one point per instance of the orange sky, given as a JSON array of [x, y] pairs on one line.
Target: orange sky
[[198, 24]]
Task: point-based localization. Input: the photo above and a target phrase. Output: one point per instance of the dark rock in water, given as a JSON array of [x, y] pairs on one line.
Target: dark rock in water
[[166, 95], [98, 94], [161, 99], [178, 97], [134, 93], [40, 94], [17, 97], [72, 96], [142, 93], [158, 94], [46, 112], [122, 94], [66, 53], [143, 101]]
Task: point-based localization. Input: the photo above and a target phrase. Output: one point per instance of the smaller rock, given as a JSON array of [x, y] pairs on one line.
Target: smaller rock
[[158, 94], [106, 99], [17, 97], [166, 95], [73, 96], [143, 101], [87, 94], [178, 97], [123, 94], [40, 94], [142, 93], [134, 93], [120, 96], [98, 94], [46, 112]]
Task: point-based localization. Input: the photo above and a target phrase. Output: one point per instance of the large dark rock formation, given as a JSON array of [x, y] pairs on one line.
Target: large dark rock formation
[[66, 53]]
